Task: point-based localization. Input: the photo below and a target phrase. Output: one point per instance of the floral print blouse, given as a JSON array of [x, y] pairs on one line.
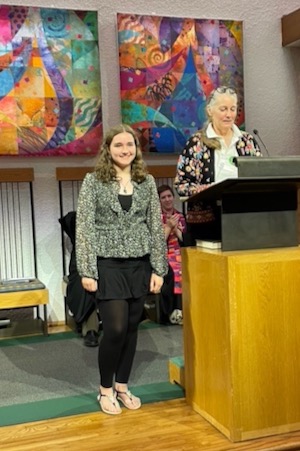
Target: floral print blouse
[[195, 170]]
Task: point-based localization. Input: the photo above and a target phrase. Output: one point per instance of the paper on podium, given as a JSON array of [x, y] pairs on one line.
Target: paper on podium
[[209, 244]]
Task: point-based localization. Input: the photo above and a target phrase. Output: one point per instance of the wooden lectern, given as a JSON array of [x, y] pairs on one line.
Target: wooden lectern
[[241, 312]]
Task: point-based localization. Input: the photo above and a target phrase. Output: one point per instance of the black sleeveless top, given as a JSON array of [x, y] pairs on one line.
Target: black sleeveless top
[[125, 201]]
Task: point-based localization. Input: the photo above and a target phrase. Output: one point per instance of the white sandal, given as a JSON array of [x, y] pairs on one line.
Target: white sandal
[[128, 399], [114, 402]]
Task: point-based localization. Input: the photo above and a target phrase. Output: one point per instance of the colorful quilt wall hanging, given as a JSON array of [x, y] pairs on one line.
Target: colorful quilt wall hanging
[[168, 67], [50, 93]]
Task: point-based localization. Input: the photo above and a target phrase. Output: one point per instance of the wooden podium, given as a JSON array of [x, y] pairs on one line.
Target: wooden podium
[[242, 339], [242, 304]]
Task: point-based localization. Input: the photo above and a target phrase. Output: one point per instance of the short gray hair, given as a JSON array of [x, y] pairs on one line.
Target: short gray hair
[[218, 91]]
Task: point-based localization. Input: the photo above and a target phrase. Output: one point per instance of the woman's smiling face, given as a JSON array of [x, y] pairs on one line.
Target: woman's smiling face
[[123, 149]]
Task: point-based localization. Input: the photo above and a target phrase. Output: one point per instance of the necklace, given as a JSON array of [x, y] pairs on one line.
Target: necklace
[[124, 187]]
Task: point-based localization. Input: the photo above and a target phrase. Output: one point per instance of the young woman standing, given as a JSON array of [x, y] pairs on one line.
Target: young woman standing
[[121, 255]]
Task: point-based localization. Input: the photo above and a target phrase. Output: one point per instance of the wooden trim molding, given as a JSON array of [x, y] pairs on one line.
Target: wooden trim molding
[[290, 29], [16, 175], [167, 171], [72, 174], [78, 173]]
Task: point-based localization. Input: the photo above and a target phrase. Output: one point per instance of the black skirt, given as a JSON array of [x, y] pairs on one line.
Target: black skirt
[[123, 278]]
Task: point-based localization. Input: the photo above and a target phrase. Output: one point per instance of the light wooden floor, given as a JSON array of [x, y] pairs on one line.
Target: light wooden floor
[[166, 426]]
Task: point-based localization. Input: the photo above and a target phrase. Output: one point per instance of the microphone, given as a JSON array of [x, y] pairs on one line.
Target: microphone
[[255, 131]]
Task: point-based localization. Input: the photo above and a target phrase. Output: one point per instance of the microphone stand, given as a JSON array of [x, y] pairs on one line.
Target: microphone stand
[[255, 131]]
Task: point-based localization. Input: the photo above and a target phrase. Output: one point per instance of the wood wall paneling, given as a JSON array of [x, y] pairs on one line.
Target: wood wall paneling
[[290, 28]]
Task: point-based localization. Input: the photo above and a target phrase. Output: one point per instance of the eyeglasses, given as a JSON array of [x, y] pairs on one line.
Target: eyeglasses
[[220, 90], [224, 89]]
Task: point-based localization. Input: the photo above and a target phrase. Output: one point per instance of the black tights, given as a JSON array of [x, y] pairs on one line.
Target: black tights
[[120, 321]]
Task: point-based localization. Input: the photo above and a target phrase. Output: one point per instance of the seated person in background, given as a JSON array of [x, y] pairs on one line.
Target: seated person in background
[[81, 303], [174, 227], [207, 158]]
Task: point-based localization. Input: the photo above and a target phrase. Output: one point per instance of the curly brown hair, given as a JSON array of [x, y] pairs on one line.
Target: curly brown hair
[[105, 169]]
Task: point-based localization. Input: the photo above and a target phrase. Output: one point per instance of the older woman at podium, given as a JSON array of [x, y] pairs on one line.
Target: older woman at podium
[[208, 157]]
